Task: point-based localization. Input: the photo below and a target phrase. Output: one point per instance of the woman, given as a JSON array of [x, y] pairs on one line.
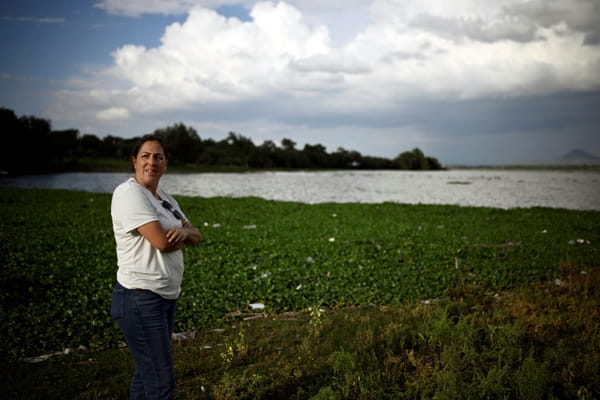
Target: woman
[[150, 231]]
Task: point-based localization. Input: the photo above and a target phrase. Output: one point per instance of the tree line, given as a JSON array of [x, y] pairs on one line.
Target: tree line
[[35, 147]]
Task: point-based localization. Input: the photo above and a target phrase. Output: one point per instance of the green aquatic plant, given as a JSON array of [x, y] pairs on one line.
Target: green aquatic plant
[[59, 263]]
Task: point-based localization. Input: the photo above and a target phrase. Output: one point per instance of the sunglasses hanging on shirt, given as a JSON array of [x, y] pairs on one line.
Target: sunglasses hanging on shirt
[[169, 207]]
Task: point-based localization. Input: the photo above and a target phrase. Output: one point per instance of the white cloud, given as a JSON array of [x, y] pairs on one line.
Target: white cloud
[[39, 20], [113, 113], [409, 51], [288, 69], [211, 58], [136, 8]]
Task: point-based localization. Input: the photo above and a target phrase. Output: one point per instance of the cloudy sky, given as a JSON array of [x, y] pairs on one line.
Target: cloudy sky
[[467, 81]]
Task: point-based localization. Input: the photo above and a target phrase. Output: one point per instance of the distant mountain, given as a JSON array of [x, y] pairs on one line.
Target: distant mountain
[[574, 158], [580, 155]]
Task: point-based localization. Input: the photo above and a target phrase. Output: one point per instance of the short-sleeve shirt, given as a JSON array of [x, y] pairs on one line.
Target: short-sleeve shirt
[[141, 265]]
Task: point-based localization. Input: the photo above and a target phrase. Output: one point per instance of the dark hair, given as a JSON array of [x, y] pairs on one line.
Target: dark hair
[[147, 138]]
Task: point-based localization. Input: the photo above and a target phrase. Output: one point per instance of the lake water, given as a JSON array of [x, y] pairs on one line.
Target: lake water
[[578, 190]]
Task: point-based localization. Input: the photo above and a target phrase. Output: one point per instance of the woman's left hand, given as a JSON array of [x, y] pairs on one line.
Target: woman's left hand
[[177, 235]]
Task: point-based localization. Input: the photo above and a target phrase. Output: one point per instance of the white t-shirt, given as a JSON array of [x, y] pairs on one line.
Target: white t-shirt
[[142, 266]]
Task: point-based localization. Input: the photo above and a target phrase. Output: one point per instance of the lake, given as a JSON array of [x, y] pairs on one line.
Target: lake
[[577, 190]]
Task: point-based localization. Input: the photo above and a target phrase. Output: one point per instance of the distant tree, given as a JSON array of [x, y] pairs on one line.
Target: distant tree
[[183, 143], [343, 158], [240, 149], [269, 146], [262, 156], [90, 146], [376, 163], [34, 147], [26, 140], [113, 146], [416, 160], [265, 155], [9, 123], [288, 156], [36, 128], [36, 135], [13, 142], [63, 147], [288, 144], [433, 163], [407, 160], [316, 156]]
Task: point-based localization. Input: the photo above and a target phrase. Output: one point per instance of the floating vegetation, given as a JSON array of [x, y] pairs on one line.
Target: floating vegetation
[[59, 264]]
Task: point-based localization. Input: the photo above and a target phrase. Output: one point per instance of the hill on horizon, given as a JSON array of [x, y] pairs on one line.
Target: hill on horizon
[[574, 158], [580, 155]]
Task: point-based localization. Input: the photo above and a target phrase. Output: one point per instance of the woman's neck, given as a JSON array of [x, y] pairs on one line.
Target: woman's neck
[[150, 187]]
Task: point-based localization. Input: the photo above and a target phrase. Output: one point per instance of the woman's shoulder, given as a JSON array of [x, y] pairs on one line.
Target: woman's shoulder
[[129, 184], [131, 194], [129, 188]]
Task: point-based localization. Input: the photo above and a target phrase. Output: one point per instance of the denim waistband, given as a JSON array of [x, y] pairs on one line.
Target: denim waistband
[[118, 286]]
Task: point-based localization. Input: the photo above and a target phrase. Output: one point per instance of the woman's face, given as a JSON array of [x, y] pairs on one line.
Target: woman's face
[[150, 163]]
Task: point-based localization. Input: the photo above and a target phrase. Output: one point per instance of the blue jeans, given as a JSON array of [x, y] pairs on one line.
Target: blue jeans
[[146, 321]]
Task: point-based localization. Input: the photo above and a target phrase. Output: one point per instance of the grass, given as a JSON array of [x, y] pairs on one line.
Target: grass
[[361, 301]]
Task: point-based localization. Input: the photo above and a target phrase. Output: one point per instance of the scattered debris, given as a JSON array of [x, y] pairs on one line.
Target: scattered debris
[[507, 244], [247, 316], [44, 357], [257, 306], [580, 241], [255, 316], [181, 336]]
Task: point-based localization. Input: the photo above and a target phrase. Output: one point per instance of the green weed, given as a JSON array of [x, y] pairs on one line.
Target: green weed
[[404, 301]]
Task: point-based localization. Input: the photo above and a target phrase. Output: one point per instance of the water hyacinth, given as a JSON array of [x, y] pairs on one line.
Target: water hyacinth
[[386, 261], [288, 261]]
